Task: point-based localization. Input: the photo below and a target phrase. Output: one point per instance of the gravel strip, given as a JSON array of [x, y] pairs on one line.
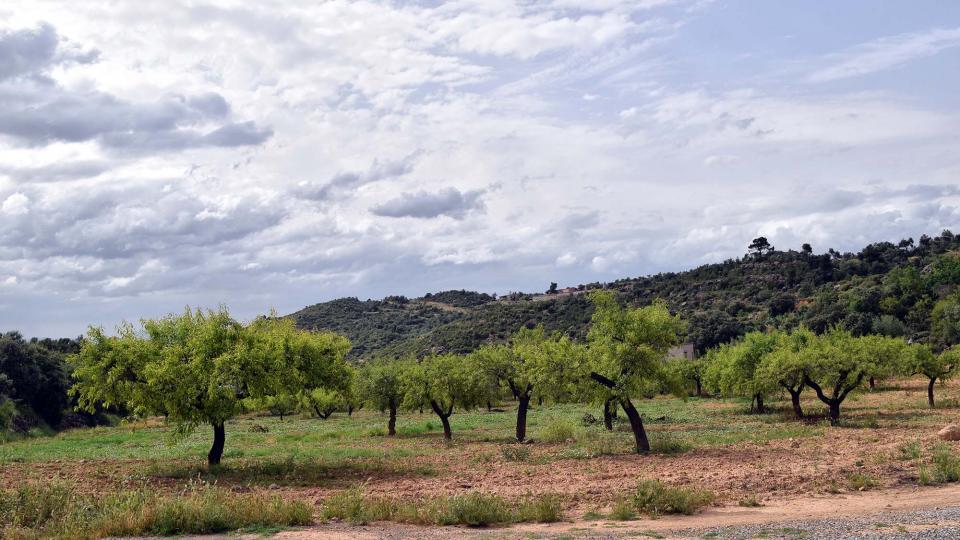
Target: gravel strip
[[933, 524]]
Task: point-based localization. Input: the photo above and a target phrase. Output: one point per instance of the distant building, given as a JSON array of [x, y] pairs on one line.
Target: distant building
[[685, 350]]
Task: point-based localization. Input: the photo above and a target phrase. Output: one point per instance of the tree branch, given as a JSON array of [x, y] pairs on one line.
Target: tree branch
[[602, 380]]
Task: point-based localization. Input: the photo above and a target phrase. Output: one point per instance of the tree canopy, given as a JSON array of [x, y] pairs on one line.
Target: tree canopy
[[628, 347], [196, 367]]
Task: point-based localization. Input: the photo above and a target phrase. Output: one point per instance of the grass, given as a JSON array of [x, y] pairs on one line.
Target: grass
[[654, 498], [474, 509], [60, 511], [943, 465], [307, 471], [556, 430], [860, 481]]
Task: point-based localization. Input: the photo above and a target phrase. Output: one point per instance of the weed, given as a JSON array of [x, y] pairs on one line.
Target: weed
[[475, 509], [58, 511], [541, 509], [556, 430], [623, 510], [909, 450], [861, 481], [654, 497], [668, 444], [515, 453], [750, 501]]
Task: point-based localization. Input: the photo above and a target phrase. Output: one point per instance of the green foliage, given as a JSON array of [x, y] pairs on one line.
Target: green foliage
[[885, 288], [35, 377], [381, 382], [197, 367], [628, 347], [733, 368], [8, 411], [556, 430], [58, 511], [474, 509], [322, 401], [945, 322], [653, 497]]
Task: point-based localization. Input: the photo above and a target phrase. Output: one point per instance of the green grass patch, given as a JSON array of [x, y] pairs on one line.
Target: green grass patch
[[653, 497], [474, 509], [58, 511], [556, 430]]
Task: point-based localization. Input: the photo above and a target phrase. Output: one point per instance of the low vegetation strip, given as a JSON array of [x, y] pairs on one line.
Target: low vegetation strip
[[58, 511], [474, 509]]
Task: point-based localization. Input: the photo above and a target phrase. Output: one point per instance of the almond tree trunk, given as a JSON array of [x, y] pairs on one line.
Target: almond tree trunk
[[219, 439]]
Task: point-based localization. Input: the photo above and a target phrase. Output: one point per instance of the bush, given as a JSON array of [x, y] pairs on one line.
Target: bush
[[57, 511], [541, 509], [944, 466], [910, 450], [7, 413], [654, 498], [668, 444], [556, 430], [475, 509], [623, 510]]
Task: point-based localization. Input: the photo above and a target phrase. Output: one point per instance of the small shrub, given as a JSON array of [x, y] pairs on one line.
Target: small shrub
[[556, 430], [541, 509], [668, 444], [945, 464], [515, 453], [598, 443], [861, 481], [623, 510], [349, 505], [750, 501], [654, 497], [475, 509]]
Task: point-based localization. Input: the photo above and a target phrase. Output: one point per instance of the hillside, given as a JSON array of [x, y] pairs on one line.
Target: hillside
[[885, 288]]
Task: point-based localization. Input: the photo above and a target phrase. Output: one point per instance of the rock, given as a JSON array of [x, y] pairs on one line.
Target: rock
[[950, 433], [273, 486]]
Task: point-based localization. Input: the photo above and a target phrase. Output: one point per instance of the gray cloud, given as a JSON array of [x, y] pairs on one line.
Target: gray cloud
[[36, 111], [346, 181], [422, 204], [33, 51], [56, 172]]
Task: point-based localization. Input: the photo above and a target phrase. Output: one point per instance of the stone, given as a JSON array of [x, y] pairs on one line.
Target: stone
[[950, 433]]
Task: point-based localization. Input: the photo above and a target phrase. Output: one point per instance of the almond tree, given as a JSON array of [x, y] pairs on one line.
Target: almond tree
[[921, 360], [195, 368], [784, 365], [381, 384], [444, 382], [837, 363], [627, 352], [733, 369], [533, 364]]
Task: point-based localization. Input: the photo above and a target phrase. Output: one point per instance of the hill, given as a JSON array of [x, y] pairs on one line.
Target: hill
[[884, 288]]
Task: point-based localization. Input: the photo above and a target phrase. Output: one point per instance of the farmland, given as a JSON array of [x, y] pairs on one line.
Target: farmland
[[584, 470]]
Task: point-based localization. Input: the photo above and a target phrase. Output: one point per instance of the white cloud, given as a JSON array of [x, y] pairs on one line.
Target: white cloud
[[17, 204], [416, 147], [886, 53]]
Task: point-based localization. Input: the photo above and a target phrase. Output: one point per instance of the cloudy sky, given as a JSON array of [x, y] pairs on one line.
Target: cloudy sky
[[274, 154]]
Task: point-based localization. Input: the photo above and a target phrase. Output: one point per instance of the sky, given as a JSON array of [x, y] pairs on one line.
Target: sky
[[274, 154]]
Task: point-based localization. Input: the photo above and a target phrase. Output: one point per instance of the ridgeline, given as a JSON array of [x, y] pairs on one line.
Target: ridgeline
[[884, 288]]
